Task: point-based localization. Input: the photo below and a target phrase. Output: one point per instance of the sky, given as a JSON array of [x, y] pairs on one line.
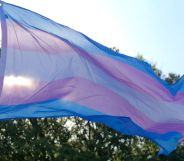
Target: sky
[[152, 28]]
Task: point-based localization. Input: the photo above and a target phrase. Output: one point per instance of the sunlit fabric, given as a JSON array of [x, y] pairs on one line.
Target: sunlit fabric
[[50, 70]]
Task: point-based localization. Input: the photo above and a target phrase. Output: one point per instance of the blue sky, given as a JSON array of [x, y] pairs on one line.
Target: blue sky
[[153, 28]]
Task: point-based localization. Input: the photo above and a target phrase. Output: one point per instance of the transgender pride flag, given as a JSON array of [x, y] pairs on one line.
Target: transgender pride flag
[[50, 70]]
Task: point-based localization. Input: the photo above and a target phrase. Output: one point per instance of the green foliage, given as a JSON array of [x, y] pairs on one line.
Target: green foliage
[[33, 139], [115, 49], [172, 78]]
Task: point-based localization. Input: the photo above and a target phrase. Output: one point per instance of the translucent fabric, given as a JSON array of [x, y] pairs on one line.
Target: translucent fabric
[[50, 70]]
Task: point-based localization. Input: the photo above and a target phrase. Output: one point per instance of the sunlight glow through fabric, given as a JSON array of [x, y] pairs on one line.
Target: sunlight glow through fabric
[[50, 70]]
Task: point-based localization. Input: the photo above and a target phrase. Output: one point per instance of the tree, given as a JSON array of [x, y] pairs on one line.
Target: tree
[[33, 139]]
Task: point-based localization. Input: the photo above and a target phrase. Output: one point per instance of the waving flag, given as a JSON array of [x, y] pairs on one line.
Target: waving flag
[[50, 70]]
